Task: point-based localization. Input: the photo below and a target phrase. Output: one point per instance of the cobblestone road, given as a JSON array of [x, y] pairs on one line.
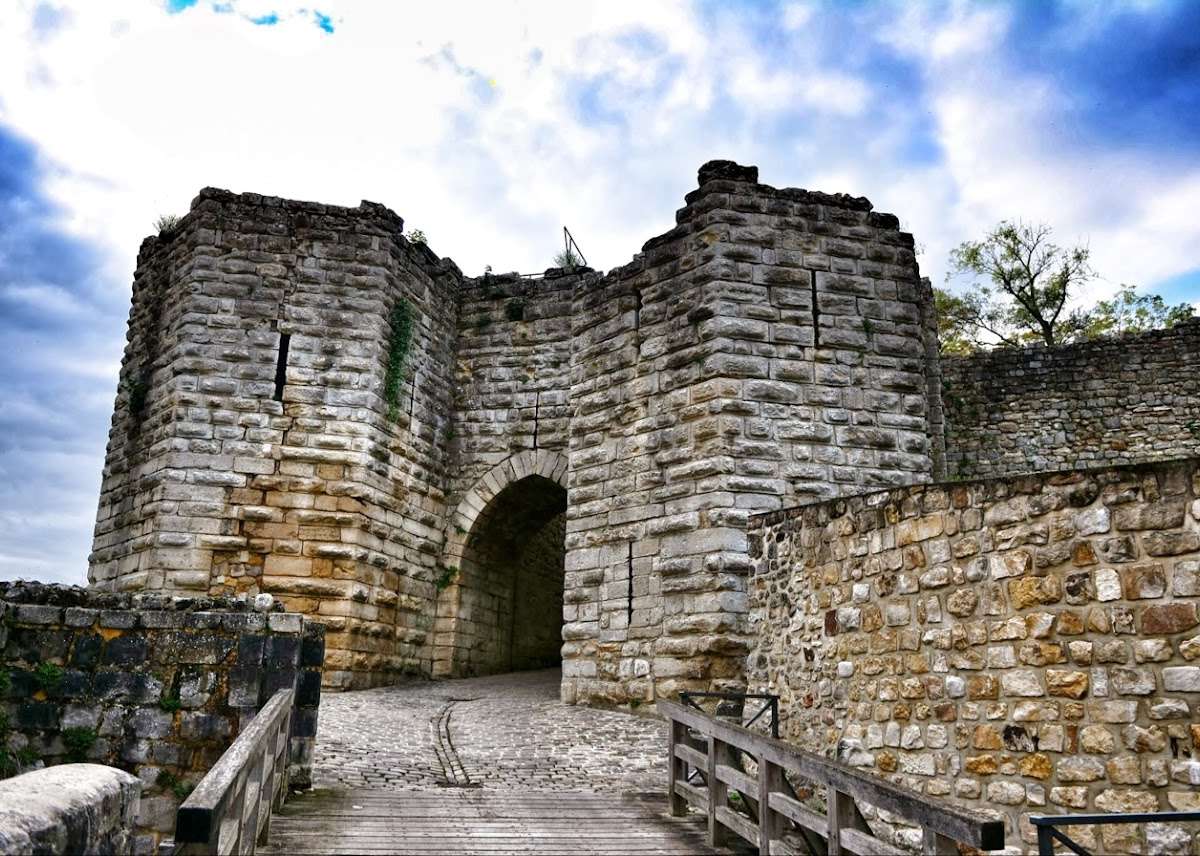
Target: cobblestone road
[[503, 731]]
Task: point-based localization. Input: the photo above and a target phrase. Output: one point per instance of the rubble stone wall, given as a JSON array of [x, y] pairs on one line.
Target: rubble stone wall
[[154, 685], [1025, 644], [1123, 400]]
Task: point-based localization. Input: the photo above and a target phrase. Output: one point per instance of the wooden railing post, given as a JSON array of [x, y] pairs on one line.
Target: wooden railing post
[[230, 809], [770, 825], [772, 807], [839, 808], [676, 768], [718, 791], [933, 843]]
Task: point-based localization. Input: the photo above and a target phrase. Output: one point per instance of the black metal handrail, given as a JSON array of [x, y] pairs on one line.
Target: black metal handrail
[[1047, 832], [771, 704]]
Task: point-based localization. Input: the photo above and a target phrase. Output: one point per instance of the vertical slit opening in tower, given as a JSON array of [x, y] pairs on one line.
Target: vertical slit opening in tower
[[511, 579], [285, 341]]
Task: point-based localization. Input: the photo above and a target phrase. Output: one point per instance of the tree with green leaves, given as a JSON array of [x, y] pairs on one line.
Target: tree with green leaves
[[1129, 312], [1021, 282]]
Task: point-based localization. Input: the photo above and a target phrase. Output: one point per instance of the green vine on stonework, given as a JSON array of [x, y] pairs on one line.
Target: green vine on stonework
[[445, 578], [401, 324]]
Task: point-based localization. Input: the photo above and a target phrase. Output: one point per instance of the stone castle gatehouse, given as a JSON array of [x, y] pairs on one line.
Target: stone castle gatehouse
[[463, 475]]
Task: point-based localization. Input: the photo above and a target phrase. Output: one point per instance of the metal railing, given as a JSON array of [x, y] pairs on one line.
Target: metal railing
[[738, 706], [230, 809], [773, 816], [1047, 833]]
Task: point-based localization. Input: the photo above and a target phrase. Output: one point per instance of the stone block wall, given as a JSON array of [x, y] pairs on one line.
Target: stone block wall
[[775, 346], [1125, 400], [512, 382], [1025, 645], [770, 348], [154, 685], [253, 448]]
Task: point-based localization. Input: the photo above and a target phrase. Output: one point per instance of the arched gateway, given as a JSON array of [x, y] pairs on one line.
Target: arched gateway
[[315, 407], [501, 607]]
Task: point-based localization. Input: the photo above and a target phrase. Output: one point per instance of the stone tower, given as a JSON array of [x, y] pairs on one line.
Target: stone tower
[[466, 475]]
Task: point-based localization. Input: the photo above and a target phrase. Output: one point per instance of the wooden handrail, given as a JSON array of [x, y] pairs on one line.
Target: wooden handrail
[[249, 781], [943, 823]]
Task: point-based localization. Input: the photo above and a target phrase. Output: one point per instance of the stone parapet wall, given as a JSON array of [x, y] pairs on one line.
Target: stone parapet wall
[[1123, 400], [154, 685], [1025, 645], [70, 809]]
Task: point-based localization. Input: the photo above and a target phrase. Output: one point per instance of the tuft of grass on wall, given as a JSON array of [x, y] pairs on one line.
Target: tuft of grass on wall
[[47, 676], [79, 742], [166, 223]]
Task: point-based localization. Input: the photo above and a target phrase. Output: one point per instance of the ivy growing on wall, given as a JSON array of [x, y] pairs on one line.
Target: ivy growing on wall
[[400, 323]]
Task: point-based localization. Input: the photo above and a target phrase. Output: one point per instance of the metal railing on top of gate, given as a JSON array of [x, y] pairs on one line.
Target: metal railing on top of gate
[[1048, 833]]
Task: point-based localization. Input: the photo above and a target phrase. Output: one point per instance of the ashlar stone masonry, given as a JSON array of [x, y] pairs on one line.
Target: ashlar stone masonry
[[465, 475]]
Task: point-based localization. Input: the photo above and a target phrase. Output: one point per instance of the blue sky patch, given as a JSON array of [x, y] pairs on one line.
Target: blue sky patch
[[61, 324], [325, 22], [269, 20], [174, 7]]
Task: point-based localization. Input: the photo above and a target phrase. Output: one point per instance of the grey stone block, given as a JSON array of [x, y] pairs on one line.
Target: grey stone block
[[37, 614]]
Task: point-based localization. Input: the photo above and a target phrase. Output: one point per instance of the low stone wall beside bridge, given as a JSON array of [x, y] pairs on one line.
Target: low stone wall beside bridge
[[1029, 644], [154, 685], [70, 809]]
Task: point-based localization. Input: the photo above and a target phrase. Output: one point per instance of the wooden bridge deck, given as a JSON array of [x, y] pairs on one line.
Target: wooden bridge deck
[[484, 821]]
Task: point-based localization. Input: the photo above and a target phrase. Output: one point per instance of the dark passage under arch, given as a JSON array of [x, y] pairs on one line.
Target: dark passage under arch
[[508, 607]]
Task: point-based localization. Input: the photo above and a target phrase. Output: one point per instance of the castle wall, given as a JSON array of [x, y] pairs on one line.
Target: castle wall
[[511, 384], [316, 490], [775, 346], [706, 386], [157, 686], [1025, 644], [512, 371], [1124, 400]]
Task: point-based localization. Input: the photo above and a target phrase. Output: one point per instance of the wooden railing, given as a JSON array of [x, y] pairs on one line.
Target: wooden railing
[[773, 818], [230, 809]]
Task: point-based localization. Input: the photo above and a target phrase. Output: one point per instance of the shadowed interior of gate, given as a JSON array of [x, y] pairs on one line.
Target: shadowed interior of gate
[[509, 585]]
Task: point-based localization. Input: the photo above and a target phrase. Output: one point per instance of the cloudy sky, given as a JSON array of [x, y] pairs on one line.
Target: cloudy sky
[[489, 125]]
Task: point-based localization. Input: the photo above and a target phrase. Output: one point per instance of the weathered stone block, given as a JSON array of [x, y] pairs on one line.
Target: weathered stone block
[[1167, 618], [1181, 679]]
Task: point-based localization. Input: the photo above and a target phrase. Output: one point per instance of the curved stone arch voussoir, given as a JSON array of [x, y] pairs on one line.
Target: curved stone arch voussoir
[[531, 462]]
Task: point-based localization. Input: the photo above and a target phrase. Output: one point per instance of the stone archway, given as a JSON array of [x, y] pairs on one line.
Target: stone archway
[[502, 609]]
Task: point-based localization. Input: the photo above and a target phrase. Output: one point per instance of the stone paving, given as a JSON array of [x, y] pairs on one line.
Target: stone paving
[[501, 731]]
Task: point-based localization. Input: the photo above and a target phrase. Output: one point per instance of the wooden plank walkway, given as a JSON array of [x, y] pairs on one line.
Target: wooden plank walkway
[[457, 820]]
